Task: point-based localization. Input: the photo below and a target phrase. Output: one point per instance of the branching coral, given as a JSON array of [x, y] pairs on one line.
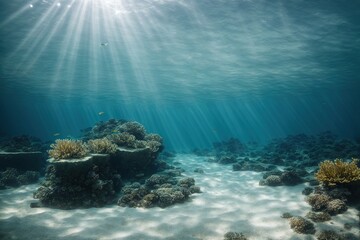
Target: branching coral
[[123, 140], [338, 172], [102, 145], [67, 149]]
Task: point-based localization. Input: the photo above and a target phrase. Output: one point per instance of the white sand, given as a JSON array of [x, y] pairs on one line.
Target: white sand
[[231, 201]]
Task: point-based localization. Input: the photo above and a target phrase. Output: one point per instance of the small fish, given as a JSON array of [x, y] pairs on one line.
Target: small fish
[[56, 134], [115, 131], [104, 44], [101, 113]]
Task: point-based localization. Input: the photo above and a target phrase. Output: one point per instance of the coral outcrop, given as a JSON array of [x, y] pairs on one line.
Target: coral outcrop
[[12, 177]]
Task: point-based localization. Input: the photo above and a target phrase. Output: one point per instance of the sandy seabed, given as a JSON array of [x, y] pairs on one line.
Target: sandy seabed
[[230, 201]]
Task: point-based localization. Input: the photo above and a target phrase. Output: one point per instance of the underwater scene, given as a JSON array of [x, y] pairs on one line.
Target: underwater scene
[[180, 119]]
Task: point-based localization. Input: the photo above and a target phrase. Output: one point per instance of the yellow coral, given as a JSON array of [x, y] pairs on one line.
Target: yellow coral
[[68, 149], [102, 145], [338, 172]]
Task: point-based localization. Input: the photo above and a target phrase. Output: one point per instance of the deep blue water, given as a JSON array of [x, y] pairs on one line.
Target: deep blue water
[[193, 71]]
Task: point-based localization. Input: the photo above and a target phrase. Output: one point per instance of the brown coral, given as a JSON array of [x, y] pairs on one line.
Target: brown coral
[[336, 206], [302, 225], [102, 145], [338, 172], [68, 149], [318, 202], [123, 139]]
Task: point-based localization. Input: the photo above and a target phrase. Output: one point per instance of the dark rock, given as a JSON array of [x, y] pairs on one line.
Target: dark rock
[[289, 178], [307, 191], [79, 183], [130, 162], [226, 159], [199, 170], [23, 161]]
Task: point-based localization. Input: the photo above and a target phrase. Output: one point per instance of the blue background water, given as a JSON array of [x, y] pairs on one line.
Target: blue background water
[[193, 71]]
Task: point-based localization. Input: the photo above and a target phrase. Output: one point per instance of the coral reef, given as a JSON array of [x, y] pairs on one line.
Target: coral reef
[[318, 202], [250, 166], [232, 145], [160, 190], [234, 236], [11, 177], [79, 183], [101, 146], [304, 150], [135, 129], [294, 150], [22, 161], [123, 140], [307, 191], [272, 180], [22, 143], [318, 216], [102, 129], [286, 215], [323, 202], [329, 235], [121, 150], [338, 172], [278, 178], [336, 206], [68, 149], [302, 225]]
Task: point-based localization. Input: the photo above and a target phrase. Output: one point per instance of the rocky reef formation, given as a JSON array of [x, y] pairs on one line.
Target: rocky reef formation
[[308, 150], [24, 153], [162, 190], [12, 177], [78, 183], [22, 143], [90, 172], [299, 150]]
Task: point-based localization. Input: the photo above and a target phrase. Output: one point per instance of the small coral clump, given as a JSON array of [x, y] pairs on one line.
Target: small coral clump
[[338, 172], [318, 202], [234, 236], [68, 149], [336, 206], [318, 217], [329, 235], [272, 180], [302, 225], [102, 146]]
